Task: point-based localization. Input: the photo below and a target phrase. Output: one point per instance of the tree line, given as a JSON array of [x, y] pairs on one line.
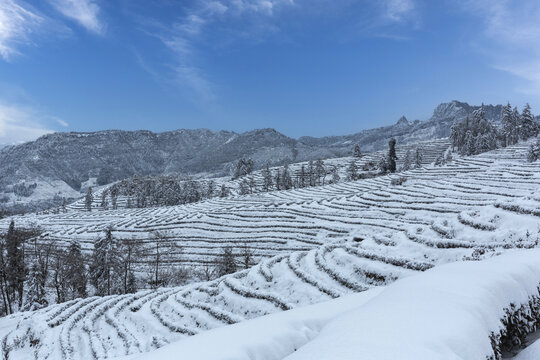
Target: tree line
[[476, 134], [34, 272]]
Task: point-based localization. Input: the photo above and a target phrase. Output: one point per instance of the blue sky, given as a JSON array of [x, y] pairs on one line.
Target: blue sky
[[304, 67]]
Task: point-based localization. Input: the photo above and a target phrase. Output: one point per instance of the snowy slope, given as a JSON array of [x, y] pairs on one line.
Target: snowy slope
[[476, 207], [448, 312], [472, 200]]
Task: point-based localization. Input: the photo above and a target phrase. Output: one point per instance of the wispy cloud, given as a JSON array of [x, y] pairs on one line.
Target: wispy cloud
[[84, 12], [399, 10], [510, 37], [182, 37], [19, 124], [17, 22]]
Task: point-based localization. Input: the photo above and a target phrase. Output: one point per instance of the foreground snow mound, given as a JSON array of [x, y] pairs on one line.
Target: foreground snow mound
[[448, 312], [269, 337]]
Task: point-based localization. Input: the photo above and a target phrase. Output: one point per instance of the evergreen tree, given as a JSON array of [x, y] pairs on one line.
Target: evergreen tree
[[311, 173], [278, 180], [224, 191], [352, 171], [88, 199], [105, 268], [16, 270], [320, 171], [534, 152], [517, 128], [252, 185], [75, 275], [302, 177], [383, 165], [407, 161], [210, 189], [36, 299], [392, 157], [267, 178], [529, 127], [227, 262], [508, 125], [104, 203], [356, 152], [243, 167], [286, 181], [243, 188], [335, 175], [418, 158]]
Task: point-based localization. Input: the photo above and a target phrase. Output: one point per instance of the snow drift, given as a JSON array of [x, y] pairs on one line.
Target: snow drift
[[448, 312]]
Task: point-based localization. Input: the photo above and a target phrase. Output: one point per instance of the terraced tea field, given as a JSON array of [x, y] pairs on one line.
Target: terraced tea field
[[313, 244]]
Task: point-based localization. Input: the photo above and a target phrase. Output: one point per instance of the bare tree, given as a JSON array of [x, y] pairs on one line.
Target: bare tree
[[162, 252]]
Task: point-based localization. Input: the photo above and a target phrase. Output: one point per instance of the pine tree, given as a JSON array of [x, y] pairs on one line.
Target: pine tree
[[105, 268], [311, 173], [335, 175], [227, 262], [210, 189], [35, 299], [286, 181], [88, 199], [16, 270], [320, 171], [407, 161], [267, 178], [76, 278], [356, 152], [352, 171], [302, 177], [252, 185], [104, 203], [529, 127], [392, 157], [517, 125], [418, 158], [383, 165], [508, 125], [224, 191], [278, 180], [534, 152], [243, 188]]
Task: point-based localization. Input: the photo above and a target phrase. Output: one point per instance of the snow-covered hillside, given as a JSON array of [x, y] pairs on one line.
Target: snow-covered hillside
[[430, 151], [472, 199], [318, 243], [450, 312]]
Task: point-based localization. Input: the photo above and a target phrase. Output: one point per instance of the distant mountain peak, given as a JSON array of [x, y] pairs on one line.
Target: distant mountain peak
[[402, 121]]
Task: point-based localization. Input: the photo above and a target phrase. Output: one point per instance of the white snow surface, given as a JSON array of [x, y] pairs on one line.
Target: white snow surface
[[270, 337], [302, 239], [447, 312]]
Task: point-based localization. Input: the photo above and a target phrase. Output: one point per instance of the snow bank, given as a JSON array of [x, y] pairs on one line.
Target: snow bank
[[269, 337], [447, 312]]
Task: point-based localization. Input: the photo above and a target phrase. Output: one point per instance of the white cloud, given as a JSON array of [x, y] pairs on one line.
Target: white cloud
[[85, 12], [18, 124], [17, 23], [511, 34], [182, 38], [399, 10]]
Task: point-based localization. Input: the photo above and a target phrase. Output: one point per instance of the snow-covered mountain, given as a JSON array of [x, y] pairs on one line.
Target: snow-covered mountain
[[60, 164]]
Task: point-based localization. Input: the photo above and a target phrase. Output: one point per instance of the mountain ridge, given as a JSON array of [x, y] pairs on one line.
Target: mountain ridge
[[63, 163]]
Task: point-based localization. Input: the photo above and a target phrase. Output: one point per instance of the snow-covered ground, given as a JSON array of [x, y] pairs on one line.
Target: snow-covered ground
[[472, 200], [314, 244], [448, 312]]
